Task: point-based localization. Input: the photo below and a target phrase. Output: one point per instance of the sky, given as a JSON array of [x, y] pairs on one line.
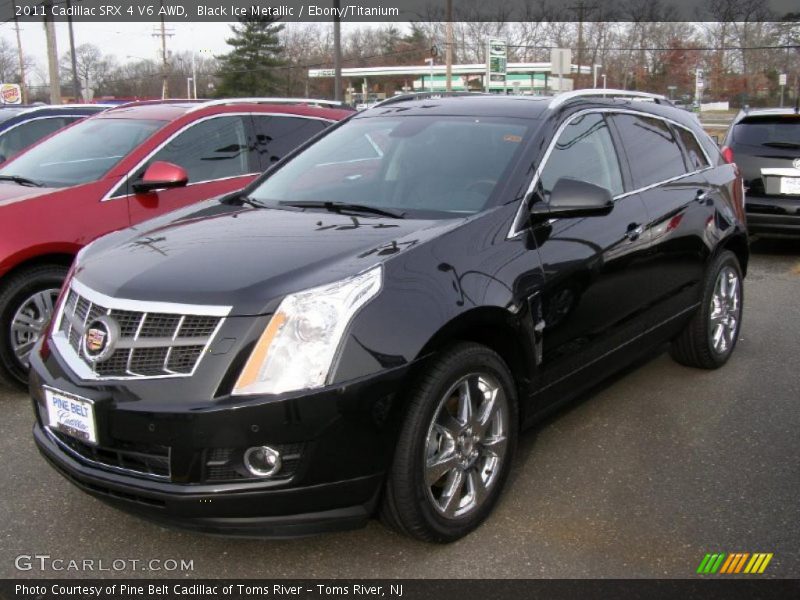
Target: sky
[[127, 41]]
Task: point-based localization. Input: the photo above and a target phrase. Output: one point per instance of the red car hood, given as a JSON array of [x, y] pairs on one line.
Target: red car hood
[[11, 192]]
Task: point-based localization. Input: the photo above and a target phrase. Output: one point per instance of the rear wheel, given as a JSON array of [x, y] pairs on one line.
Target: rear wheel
[[455, 447], [27, 301], [710, 337]]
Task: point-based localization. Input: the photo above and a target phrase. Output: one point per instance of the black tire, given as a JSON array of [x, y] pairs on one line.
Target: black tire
[[409, 505], [694, 346], [13, 292]]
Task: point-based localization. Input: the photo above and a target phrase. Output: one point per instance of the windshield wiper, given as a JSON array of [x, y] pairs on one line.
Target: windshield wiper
[[250, 200], [343, 207], [21, 180], [782, 144]]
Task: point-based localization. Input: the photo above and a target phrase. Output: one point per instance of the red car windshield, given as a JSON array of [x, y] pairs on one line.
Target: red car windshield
[[82, 153]]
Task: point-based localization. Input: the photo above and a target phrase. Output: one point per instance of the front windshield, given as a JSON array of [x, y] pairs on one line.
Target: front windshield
[[437, 167], [82, 153]]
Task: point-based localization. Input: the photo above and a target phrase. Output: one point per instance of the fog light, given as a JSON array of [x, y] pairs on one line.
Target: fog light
[[262, 461]]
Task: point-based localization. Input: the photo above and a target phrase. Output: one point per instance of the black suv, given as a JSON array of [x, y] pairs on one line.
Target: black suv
[[765, 143], [369, 325]]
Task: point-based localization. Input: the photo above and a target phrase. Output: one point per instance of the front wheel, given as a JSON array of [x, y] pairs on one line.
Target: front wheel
[[708, 340], [27, 301], [455, 448]]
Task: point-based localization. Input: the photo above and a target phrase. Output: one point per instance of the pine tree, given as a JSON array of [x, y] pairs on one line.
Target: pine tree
[[245, 70]]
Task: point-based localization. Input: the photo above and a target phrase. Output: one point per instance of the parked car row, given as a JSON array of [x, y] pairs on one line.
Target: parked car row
[[119, 168], [368, 325]]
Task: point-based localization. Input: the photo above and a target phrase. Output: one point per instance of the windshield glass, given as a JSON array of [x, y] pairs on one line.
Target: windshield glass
[[81, 153], [430, 167], [758, 131]]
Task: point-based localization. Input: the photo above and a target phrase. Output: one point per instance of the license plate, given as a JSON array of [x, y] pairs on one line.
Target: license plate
[[71, 415], [790, 185]]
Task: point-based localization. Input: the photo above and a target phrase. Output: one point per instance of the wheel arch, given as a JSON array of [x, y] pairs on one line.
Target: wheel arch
[[740, 246], [63, 259], [499, 330]]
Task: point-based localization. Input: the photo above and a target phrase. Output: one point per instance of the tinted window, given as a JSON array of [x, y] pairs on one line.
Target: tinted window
[[427, 166], [695, 156], [584, 151], [652, 149], [81, 153], [211, 149], [25, 134], [774, 130], [277, 136]]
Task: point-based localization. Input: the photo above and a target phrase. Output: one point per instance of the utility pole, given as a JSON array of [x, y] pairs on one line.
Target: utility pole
[[76, 85], [52, 53], [21, 58], [448, 49], [164, 81], [581, 7], [337, 53], [164, 64]]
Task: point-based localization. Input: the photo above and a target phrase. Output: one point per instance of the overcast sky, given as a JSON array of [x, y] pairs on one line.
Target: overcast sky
[[123, 40]]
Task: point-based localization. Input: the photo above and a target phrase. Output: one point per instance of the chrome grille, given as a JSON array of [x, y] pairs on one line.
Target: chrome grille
[[153, 343]]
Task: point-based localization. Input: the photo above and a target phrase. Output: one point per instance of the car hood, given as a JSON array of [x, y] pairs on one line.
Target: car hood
[[245, 258], [11, 192]]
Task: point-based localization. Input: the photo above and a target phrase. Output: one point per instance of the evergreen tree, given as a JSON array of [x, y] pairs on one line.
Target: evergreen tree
[[246, 69]]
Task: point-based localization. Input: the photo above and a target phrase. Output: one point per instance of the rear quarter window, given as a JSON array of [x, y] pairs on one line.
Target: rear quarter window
[[694, 152]]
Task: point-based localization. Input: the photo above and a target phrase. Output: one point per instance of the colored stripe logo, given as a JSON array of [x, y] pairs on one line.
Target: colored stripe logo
[[736, 562]]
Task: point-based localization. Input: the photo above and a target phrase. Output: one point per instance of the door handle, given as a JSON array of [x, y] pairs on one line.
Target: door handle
[[634, 231], [702, 196]]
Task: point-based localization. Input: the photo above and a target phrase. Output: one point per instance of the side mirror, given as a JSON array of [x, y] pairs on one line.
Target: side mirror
[[160, 175], [574, 198]]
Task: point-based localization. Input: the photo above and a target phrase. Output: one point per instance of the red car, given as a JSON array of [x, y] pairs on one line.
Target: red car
[[116, 169]]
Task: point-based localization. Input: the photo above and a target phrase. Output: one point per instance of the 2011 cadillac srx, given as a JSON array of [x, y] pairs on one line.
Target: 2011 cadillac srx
[[367, 327]]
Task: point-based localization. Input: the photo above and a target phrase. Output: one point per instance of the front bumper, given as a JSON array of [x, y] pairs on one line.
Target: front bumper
[[773, 214], [345, 438]]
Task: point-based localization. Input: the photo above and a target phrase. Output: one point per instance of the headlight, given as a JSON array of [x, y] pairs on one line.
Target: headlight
[[298, 346]]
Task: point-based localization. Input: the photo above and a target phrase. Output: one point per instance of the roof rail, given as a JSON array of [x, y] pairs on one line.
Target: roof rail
[[161, 101], [425, 96], [606, 93], [309, 101]]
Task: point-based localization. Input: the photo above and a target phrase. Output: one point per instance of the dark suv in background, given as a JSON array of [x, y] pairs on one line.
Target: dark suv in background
[[368, 326], [765, 144], [22, 126]]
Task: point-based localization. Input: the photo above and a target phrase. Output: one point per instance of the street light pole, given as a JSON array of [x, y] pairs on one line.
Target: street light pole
[[594, 82], [604, 81]]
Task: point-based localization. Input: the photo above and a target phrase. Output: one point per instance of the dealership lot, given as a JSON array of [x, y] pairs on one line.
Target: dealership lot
[[655, 469]]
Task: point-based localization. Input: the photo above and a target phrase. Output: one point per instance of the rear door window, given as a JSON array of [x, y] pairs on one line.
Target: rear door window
[[584, 151], [652, 148]]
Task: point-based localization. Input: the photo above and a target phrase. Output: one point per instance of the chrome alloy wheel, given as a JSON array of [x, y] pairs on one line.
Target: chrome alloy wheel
[[726, 309], [29, 322], [466, 444]]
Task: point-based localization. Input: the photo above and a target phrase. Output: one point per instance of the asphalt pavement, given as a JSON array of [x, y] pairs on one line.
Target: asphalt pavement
[[641, 478]]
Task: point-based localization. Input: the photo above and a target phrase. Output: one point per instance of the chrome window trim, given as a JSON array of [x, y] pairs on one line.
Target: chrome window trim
[[84, 371], [110, 195], [517, 227]]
